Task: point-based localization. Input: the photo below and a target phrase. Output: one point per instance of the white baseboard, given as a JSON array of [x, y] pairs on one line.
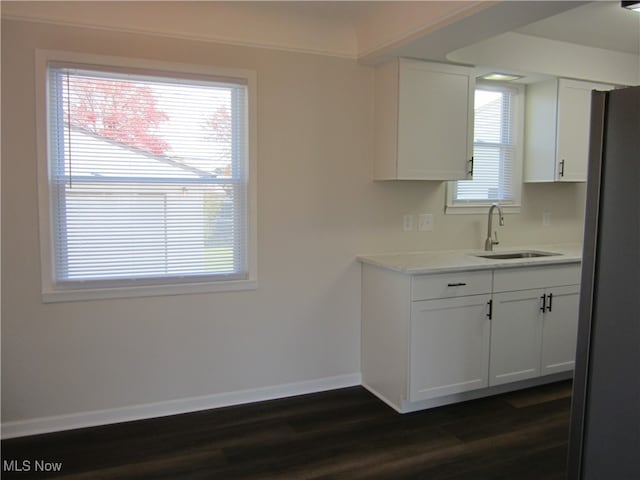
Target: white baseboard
[[94, 418]]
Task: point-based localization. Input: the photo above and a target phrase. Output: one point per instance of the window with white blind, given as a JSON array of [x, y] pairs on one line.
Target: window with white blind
[[147, 180], [497, 151]]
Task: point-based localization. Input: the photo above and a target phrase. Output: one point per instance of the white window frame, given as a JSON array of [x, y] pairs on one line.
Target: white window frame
[[518, 131], [49, 291]]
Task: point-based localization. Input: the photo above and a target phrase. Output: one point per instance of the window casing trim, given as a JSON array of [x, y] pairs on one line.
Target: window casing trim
[[509, 207], [172, 286]]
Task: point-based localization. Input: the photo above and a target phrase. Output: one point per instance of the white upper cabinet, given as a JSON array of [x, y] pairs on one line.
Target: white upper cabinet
[[423, 121], [558, 114]]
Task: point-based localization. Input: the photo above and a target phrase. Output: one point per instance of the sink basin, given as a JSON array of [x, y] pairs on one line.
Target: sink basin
[[520, 254]]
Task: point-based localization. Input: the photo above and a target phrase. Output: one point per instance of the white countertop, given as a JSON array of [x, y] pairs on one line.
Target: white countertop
[[464, 260]]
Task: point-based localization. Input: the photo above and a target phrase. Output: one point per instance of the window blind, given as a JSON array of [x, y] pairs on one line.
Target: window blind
[[147, 178], [494, 149]]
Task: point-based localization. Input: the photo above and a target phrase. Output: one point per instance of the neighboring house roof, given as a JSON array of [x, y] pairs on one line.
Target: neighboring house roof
[[487, 132], [123, 160]]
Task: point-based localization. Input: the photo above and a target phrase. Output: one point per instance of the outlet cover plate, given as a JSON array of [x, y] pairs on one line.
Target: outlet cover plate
[[407, 222], [425, 222]]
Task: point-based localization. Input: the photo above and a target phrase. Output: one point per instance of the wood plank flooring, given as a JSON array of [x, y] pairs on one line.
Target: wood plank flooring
[[341, 434]]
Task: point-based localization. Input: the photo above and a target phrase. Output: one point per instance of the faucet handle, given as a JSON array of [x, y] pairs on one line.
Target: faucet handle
[[495, 235]]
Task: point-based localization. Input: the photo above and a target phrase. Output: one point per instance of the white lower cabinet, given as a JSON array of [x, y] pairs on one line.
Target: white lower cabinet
[[516, 336], [449, 346], [435, 339], [534, 331], [559, 330]]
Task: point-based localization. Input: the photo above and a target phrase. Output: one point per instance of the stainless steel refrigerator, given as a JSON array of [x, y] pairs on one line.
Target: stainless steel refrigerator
[[604, 438]]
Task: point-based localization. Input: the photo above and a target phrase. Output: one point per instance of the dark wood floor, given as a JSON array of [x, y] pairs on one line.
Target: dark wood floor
[[341, 434]]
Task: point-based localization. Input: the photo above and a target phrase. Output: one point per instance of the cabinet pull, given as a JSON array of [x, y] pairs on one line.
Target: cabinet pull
[[470, 172], [459, 284], [544, 302], [561, 173], [550, 296], [490, 314]]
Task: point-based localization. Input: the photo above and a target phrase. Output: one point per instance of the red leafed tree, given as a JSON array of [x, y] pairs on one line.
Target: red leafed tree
[[119, 110], [218, 129], [218, 125]]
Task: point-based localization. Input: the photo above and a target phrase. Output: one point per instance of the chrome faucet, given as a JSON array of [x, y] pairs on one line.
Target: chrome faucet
[[490, 242]]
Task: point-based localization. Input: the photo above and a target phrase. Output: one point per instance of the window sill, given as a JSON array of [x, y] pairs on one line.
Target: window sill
[[478, 209], [79, 295]]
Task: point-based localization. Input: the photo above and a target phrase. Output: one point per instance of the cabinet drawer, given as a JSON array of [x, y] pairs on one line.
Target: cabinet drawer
[[448, 285], [526, 278]]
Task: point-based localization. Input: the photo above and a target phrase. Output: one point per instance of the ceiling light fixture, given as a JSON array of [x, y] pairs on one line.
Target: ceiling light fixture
[[632, 5], [500, 77]]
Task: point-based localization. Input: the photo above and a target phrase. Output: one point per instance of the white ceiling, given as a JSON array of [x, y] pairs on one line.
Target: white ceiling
[[601, 24], [494, 20], [367, 30]]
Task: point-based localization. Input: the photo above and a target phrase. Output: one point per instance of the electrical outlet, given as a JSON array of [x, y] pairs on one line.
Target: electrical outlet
[[546, 219], [425, 222], [407, 222]]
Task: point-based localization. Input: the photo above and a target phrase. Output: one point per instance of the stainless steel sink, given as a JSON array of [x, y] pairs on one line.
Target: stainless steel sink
[[520, 254]]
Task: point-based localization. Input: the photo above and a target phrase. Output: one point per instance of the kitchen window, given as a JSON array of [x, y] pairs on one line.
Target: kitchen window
[[497, 152], [146, 179]]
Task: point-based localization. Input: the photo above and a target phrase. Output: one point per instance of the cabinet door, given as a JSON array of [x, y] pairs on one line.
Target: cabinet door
[[560, 329], [516, 336], [435, 121], [449, 346], [574, 113]]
